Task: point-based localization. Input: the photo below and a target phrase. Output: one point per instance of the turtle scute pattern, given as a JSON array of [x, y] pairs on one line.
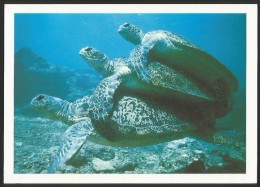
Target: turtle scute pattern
[[134, 116]]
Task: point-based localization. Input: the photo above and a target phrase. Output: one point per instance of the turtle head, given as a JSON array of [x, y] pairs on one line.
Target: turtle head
[[53, 107], [131, 33], [94, 58]]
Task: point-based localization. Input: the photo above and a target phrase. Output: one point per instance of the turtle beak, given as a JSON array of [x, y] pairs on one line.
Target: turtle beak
[[84, 51], [120, 28], [37, 100], [81, 52]]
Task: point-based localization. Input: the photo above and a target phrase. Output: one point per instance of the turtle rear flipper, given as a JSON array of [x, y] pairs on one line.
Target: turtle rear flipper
[[101, 102], [74, 139]]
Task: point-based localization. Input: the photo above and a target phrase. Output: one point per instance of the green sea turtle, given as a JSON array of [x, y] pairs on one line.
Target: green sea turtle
[[166, 84], [177, 52], [132, 122]]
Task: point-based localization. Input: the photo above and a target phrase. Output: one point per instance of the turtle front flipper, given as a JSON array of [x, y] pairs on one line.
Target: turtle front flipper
[[101, 102], [139, 62], [74, 138]]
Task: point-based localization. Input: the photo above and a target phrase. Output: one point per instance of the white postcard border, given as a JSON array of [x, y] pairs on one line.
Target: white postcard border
[[251, 58]]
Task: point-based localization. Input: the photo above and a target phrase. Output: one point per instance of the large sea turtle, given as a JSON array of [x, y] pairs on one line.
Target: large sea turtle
[[166, 84], [132, 122], [177, 52]]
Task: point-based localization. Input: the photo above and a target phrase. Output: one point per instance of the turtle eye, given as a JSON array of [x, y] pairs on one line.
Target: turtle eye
[[126, 24], [40, 97], [87, 49]]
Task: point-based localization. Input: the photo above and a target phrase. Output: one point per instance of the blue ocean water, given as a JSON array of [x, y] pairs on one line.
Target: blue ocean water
[[56, 39], [59, 37]]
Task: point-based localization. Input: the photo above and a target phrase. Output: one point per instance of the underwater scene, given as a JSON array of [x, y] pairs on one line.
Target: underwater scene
[[130, 93]]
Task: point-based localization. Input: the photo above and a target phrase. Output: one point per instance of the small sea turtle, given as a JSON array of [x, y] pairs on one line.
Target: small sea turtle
[[177, 52], [132, 122], [166, 83]]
